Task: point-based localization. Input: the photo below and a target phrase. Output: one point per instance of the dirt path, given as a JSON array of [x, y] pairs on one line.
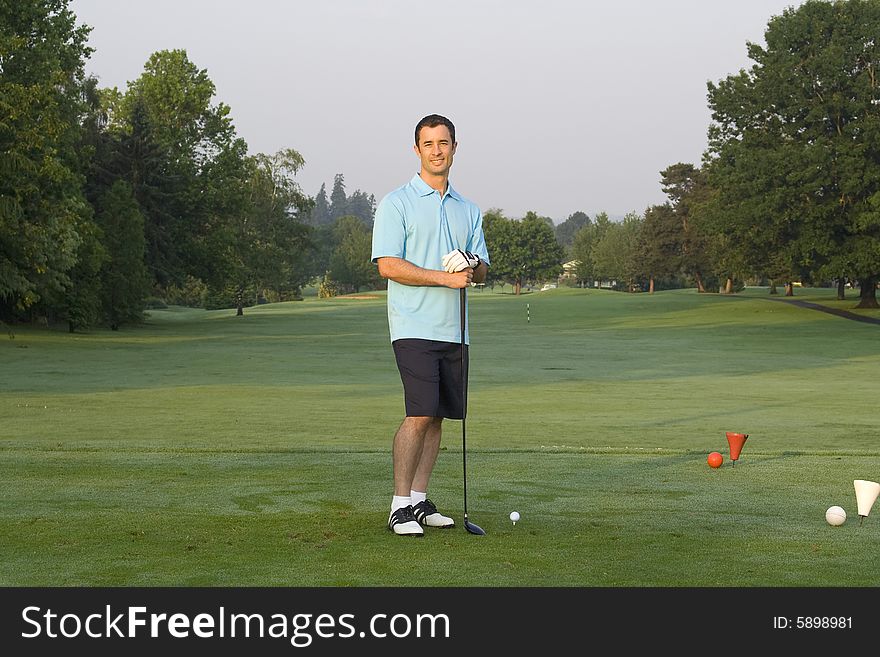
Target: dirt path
[[831, 311]]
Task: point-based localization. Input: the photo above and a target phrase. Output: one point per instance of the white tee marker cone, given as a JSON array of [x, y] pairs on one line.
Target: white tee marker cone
[[866, 495]]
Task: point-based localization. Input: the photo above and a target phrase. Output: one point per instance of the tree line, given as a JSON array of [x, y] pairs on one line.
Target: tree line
[[789, 187], [112, 201]]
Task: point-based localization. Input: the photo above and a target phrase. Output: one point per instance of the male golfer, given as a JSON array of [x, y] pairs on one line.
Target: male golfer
[[428, 242]]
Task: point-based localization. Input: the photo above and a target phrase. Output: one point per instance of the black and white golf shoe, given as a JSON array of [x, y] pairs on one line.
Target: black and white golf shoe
[[403, 523], [426, 513]]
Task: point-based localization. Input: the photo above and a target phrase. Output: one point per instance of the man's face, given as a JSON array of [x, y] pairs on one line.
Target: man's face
[[435, 149]]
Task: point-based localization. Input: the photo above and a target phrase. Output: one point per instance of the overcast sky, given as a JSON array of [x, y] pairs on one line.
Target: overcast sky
[[559, 105]]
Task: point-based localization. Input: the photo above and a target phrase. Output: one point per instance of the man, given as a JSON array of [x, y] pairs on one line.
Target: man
[[428, 242]]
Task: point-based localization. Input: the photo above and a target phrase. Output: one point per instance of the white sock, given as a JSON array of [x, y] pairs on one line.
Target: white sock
[[417, 496], [398, 502]]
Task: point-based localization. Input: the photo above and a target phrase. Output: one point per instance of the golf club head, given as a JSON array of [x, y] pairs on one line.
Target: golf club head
[[473, 529]]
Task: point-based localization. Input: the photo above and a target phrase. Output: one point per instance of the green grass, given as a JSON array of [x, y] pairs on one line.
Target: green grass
[[206, 449]]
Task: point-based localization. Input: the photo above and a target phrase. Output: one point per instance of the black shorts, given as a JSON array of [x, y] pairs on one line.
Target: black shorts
[[432, 377]]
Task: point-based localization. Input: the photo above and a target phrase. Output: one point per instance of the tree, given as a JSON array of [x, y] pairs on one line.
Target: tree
[[42, 55], [295, 237], [132, 153], [177, 97], [794, 147], [338, 199], [659, 244], [203, 158], [123, 275], [566, 231], [80, 302], [323, 245], [521, 251], [616, 253], [582, 247], [362, 206], [350, 265], [270, 237], [498, 231], [544, 255], [321, 213], [358, 204], [688, 189]]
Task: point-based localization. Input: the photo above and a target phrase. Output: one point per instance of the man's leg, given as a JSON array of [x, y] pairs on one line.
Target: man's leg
[[409, 442], [449, 404], [411, 448], [425, 511], [417, 441], [430, 449]]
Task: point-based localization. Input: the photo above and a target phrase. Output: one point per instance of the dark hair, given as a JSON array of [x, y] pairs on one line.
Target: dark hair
[[432, 121]]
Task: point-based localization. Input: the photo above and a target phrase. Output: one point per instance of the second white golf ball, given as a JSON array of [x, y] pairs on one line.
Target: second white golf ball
[[835, 515], [514, 516]]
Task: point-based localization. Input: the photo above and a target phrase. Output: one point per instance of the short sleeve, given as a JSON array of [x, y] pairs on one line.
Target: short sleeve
[[389, 230]]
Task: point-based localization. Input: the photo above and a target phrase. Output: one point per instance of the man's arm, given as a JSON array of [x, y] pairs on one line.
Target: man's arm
[[404, 272]]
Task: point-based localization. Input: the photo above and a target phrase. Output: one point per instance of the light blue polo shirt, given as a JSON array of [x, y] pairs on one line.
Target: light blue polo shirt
[[416, 224]]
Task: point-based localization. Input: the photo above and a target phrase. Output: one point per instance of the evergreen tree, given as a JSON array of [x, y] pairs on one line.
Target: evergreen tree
[[124, 275], [702, 250], [321, 213], [566, 231], [660, 243], [338, 199], [362, 206], [132, 153], [350, 264]]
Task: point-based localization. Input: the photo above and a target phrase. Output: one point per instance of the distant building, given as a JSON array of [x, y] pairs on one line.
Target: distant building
[[568, 271]]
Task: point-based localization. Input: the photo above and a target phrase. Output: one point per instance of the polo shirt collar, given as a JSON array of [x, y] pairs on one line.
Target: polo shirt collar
[[424, 189]]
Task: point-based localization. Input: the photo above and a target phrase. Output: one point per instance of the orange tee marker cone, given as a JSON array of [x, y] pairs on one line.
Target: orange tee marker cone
[[866, 494], [736, 442]]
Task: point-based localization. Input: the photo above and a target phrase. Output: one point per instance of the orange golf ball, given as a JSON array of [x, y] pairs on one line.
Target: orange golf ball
[[715, 459]]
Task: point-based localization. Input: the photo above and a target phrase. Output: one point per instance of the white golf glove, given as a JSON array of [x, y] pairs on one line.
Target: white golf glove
[[457, 260]]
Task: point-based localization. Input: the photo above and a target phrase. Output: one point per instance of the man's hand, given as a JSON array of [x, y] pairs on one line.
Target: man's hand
[[460, 279], [457, 260]]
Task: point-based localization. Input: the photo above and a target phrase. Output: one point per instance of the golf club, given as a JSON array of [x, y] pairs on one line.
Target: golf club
[[471, 527]]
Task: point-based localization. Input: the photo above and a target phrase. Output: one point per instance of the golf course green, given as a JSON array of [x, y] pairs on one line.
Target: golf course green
[[205, 449]]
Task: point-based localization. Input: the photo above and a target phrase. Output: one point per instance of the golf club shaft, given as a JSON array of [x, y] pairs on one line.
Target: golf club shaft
[[462, 310], [468, 525]]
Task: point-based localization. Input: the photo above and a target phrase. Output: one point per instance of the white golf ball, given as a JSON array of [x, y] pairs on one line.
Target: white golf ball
[[835, 516], [514, 515]]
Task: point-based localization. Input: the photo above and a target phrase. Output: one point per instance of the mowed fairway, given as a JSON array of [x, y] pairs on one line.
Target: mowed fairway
[[204, 449]]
